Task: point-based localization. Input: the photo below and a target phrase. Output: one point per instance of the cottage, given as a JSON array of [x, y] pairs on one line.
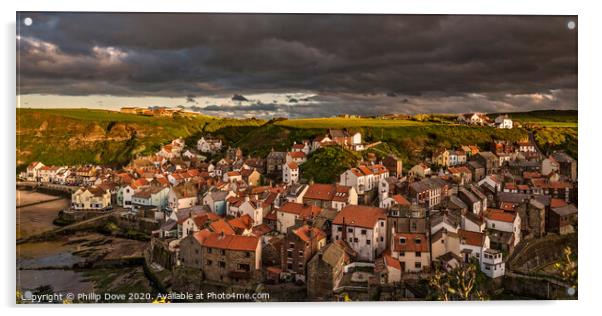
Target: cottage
[[290, 173], [288, 213], [429, 192], [472, 244], [420, 171], [91, 198], [182, 196], [299, 246], [209, 145], [330, 195], [503, 121], [411, 250], [231, 259], [325, 271], [363, 228]]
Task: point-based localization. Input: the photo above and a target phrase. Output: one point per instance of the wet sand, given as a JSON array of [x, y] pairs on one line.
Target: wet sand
[[37, 218]]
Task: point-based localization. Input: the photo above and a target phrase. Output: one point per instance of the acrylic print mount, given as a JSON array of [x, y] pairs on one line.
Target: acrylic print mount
[[201, 157]]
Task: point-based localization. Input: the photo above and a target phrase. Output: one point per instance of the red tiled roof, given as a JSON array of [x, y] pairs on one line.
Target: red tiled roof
[[500, 215], [221, 226], [231, 242], [293, 165], [303, 210], [554, 203], [360, 216], [201, 235], [399, 199], [243, 222], [471, 238], [296, 154], [307, 233], [392, 262], [412, 242]]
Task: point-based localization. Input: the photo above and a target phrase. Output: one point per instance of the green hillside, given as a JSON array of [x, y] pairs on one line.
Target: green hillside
[[66, 136], [77, 136]]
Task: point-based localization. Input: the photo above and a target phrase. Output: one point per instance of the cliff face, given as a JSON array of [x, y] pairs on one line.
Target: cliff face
[[92, 136]]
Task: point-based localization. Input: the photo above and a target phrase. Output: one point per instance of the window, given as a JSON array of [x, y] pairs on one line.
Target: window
[[339, 229], [208, 250], [350, 230], [382, 238], [382, 224], [209, 262], [418, 265], [221, 264], [402, 254], [247, 254], [418, 254], [368, 242], [417, 241], [244, 267], [223, 252], [196, 251], [355, 239], [290, 266], [364, 232], [402, 241]]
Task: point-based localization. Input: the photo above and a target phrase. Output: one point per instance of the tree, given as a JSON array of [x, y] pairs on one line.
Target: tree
[[458, 284], [567, 266]]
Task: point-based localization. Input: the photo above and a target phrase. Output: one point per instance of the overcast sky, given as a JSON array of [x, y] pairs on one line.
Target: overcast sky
[[298, 65]]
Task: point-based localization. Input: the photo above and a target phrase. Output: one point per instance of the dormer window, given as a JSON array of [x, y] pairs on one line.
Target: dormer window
[[402, 241]]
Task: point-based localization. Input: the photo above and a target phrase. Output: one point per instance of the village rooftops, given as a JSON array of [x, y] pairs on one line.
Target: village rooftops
[[302, 210], [360, 216], [308, 233], [428, 184], [221, 226]]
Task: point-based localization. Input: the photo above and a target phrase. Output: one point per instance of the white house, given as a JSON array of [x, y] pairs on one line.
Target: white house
[[503, 121], [232, 176], [209, 145], [360, 178], [504, 221], [290, 173], [151, 197], [33, 169], [492, 263], [412, 251], [253, 209], [472, 244], [364, 229], [91, 198], [181, 196]]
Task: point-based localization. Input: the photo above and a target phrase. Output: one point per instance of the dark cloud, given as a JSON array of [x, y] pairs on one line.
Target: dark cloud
[[349, 60]]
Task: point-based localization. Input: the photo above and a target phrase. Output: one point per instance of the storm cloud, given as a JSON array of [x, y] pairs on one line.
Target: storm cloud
[[356, 64]]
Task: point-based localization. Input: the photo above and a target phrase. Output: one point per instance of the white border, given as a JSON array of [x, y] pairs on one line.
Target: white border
[[589, 154]]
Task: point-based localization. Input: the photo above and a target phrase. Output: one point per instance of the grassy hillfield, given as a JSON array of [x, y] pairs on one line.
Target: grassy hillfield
[[76, 136]]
